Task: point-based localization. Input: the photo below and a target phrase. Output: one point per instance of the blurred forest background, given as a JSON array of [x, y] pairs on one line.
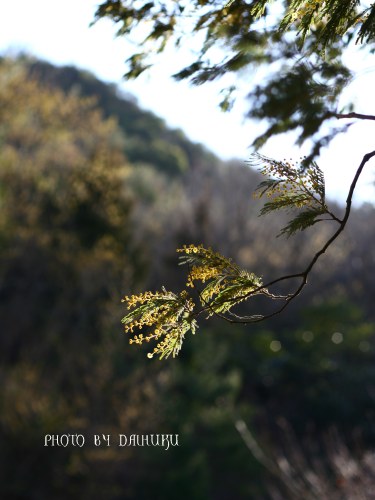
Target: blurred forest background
[[96, 194]]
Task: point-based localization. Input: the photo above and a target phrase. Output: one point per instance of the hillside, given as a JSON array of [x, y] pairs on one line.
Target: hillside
[[149, 140]]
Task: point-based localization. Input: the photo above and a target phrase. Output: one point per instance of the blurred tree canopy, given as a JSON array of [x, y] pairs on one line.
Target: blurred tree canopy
[[63, 200]]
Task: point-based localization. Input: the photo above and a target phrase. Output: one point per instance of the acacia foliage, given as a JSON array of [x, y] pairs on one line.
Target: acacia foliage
[[224, 284], [303, 41]]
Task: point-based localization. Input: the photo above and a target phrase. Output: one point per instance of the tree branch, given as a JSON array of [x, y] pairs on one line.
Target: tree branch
[[304, 274], [359, 116], [172, 315]]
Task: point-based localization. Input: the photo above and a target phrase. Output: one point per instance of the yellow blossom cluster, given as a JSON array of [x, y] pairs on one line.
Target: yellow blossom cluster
[[307, 8], [141, 298], [206, 264], [170, 344], [225, 283], [190, 249], [167, 317], [203, 253], [213, 289], [202, 273], [306, 185], [283, 171]]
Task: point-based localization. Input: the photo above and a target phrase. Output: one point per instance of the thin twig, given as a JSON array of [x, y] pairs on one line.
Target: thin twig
[[359, 116]]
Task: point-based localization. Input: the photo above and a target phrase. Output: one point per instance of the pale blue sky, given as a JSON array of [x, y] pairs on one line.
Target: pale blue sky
[[59, 32]]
